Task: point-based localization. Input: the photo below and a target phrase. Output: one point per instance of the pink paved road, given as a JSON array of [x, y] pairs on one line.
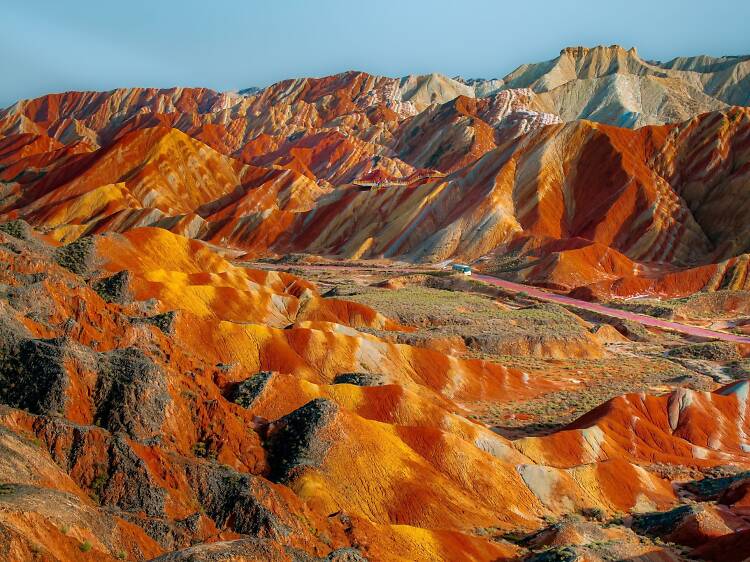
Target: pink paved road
[[614, 312], [547, 296]]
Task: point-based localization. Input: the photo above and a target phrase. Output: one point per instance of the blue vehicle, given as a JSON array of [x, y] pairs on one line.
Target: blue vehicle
[[461, 268]]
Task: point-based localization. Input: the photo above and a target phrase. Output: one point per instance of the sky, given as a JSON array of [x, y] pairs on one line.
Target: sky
[[53, 45]]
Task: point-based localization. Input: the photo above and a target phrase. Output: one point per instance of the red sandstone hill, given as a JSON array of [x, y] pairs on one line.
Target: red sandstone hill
[[578, 206], [166, 397]]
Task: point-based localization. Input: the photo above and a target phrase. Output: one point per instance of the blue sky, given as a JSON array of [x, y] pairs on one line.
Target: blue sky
[[54, 45]]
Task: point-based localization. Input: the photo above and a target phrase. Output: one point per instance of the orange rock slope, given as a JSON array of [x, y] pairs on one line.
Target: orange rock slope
[[170, 398], [577, 206], [171, 372]]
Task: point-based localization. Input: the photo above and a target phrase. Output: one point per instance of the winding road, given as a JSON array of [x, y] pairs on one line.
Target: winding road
[[644, 319], [541, 294]]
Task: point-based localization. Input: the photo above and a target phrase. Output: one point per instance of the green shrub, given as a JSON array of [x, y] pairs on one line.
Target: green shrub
[[199, 449], [596, 513]]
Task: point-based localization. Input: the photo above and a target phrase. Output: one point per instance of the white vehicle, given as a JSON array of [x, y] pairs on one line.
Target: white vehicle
[[465, 269]]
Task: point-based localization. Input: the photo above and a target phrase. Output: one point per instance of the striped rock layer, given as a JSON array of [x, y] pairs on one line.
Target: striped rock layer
[[166, 397], [577, 206]]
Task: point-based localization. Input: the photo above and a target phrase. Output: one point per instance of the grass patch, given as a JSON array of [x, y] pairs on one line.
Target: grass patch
[[99, 483], [708, 351], [76, 256], [16, 228], [430, 307]]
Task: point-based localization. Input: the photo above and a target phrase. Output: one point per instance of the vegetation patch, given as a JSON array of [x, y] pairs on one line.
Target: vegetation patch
[[76, 256], [114, 288], [16, 228], [246, 392], [711, 488], [709, 351]]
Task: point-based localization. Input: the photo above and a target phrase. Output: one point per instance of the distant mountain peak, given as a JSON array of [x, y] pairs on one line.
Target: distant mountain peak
[[581, 51], [250, 91]]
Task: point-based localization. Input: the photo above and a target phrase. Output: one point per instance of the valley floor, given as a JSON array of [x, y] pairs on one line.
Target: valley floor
[[593, 351]]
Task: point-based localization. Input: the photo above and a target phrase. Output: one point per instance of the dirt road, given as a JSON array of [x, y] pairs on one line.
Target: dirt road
[[609, 311]]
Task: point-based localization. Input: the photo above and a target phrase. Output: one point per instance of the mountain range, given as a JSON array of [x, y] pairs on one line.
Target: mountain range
[[283, 160], [166, 394]]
